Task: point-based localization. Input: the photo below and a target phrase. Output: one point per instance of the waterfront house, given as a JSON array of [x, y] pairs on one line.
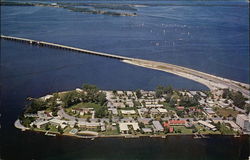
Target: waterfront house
[[58, 122], [147, 130], [157, 126], [124, 127], [207, 125]]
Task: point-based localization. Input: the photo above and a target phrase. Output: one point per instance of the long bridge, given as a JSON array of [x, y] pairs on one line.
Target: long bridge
[[211, 81]]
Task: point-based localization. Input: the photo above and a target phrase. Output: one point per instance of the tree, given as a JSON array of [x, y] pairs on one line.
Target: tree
[[60, 130], [188, 101], [238, 99], [35, 105], [101, 112], [70, 98], [138, 93], [46, 127], [141, 125], [172, 102]]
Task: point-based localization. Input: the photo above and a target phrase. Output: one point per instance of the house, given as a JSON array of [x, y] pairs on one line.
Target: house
[[180, 108], [124, 127], [144, 120], [143, 110], [128, 112], [72, 123], [113, 111], [58, 122], [154, 111], [129, 103], [209, 111], [129, 93], [207, 125], [147, 130], [40, 123], [174, 123], [120, 93], [119, 104], [162, 110], [157, 126], [88, 125], [44, 115]]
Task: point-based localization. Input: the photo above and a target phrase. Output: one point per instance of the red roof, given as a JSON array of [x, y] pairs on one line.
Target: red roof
[[180, 108], [171, 129], [166, 124], [174, 122]]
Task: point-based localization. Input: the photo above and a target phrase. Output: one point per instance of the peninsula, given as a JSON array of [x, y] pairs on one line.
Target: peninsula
[[89, 112]]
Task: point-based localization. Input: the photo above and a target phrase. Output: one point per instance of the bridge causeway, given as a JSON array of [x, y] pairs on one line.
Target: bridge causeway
[[59, 46], [211, 81]]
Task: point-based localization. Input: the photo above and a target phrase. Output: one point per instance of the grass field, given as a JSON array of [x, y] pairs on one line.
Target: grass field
[[226, 112], [183, 129]]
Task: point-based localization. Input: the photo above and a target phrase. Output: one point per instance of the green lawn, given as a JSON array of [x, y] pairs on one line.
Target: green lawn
[[83, 105], [183, 129], [203, 130], [226, 112], [110, 132]]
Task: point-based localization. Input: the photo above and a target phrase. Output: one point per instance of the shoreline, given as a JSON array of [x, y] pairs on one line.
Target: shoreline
[[127, 136], [211, 81]]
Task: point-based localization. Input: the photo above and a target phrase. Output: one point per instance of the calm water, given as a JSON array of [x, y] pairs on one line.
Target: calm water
[[211, 39]]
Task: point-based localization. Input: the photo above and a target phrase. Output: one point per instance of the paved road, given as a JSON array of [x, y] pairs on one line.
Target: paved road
[[62, 114]]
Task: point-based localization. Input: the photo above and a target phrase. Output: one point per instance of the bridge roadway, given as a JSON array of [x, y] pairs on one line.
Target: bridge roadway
[[211, 81]]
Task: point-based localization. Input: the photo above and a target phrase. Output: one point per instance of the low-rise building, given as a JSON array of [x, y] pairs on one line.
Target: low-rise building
[[124, 127], [207, 125], [162, 110], [113, 111], [147, 130], [128, 112], [157, 126], [40, 123], [243, 121]]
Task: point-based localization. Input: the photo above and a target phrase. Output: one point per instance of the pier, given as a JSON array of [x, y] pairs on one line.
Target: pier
[[211, 81]]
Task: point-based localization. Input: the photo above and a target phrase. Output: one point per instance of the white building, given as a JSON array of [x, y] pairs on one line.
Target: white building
[[162, 110], [158, 126], [128, 111], [207, 125], [124, 126], [243, 121]]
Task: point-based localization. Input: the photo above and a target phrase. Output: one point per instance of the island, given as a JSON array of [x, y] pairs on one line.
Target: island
[[89, 112]]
